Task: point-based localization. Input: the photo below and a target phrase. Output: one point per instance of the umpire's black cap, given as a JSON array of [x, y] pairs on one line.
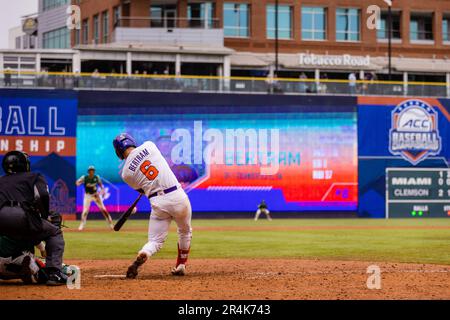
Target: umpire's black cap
[[16, 161]]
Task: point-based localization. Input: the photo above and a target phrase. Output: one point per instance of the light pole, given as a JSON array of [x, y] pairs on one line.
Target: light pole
[[389, 22]]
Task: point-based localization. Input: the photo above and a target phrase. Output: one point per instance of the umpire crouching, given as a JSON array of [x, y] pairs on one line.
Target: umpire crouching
[[24, 212]]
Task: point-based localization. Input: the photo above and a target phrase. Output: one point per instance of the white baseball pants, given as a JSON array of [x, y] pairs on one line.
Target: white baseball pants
[[165, 208], [265, 211], [88, 198]]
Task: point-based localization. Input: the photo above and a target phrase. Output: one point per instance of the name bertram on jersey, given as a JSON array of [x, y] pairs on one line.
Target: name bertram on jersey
[[137, 159]]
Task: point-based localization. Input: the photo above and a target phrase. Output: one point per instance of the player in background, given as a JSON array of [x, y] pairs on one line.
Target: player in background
[[262, 208], [146, 171], [91, 193]]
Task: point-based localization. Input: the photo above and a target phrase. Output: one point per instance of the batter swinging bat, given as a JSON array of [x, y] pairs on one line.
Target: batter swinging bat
[[127, 214]]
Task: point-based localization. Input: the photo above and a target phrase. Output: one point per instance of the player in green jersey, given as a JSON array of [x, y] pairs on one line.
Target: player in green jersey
[[91, 183]]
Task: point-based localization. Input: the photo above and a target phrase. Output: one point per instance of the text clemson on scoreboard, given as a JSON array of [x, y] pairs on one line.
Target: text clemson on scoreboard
[[35, 130]]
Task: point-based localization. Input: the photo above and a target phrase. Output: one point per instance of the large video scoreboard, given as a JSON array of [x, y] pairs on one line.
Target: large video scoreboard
[[417, 192]]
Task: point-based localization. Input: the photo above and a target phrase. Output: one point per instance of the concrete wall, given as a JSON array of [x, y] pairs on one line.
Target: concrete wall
[[162, 36]]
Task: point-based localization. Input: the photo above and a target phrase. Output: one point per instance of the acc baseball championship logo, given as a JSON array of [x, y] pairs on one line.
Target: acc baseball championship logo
[[414, 134]]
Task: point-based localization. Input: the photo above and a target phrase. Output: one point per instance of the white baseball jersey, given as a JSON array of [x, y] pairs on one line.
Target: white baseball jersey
[[146, 170]]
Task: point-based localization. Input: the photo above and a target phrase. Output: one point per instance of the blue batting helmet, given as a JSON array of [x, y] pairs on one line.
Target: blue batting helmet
[[122, 142]]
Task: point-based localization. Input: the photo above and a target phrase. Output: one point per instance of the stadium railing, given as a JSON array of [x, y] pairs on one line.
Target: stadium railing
[[185, 83]]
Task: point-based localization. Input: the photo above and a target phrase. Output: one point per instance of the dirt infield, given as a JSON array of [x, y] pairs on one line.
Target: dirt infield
[[246, 279]]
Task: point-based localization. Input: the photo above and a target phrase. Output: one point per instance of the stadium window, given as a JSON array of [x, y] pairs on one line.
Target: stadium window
[[52, 4], [395, 25], [236, 19], [284, 22], [105, 26], [32, 42], [18, 42], [96, 22], [446, 28], [421, 27], [85, 31], [347, 24], [25, 42], [56, 39], [116, 17], [314, 23], [77, 36], [200, 14]]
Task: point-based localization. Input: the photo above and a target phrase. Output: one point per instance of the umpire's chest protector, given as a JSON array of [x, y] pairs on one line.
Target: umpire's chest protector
[[20, 188]]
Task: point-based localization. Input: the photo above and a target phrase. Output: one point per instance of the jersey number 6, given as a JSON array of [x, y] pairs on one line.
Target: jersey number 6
[[148, 170]]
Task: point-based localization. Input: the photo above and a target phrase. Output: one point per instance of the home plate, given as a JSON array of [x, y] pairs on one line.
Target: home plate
[[110, 276]]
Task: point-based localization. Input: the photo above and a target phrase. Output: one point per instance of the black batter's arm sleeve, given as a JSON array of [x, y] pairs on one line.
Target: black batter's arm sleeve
[[42, 196]]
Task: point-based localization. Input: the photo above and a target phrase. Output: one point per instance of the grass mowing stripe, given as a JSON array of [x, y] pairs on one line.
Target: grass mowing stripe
[[394, 245]]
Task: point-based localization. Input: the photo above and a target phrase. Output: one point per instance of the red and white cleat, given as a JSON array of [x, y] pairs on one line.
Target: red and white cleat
[[179, 270]]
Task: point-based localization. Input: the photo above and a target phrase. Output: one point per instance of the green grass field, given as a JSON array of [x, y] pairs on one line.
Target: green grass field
[[403, 240]]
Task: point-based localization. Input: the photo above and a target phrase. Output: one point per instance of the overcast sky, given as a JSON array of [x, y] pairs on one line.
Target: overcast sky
[[10, 13]]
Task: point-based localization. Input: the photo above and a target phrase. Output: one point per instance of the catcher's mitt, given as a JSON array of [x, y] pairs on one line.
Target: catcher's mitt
[[56, 219]]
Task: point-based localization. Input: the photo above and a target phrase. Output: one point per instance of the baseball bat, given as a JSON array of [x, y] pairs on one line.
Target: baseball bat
[[124, 217]]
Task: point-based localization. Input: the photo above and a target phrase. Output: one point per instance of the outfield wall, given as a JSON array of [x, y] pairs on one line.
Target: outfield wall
[[299, 153]]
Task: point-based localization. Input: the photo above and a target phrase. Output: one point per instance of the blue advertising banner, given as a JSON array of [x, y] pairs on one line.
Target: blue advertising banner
[[399, 133], [43, 124]]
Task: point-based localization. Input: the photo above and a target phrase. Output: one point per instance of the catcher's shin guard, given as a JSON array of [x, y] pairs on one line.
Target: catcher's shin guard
[[22, 270], [182, 256]]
